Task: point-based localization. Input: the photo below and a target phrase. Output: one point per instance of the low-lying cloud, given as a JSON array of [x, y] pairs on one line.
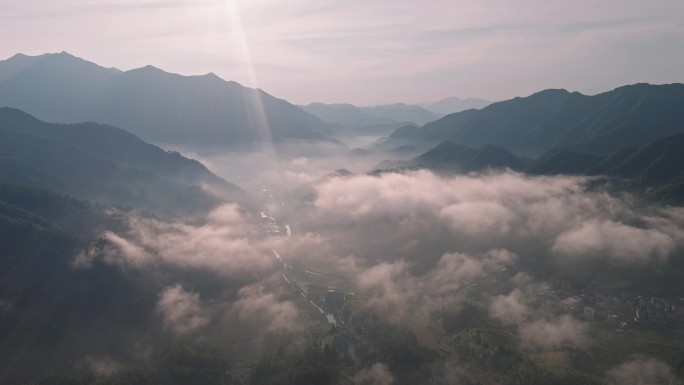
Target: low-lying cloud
[[395, 291], [418, 214], [377, 374], [552, 333], [182, 310], [410, 244], [227, 243], [256, 304], [615, 240], [539, 327], [641, 371]]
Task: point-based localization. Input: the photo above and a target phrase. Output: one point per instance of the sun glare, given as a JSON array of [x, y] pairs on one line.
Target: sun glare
[[258, 114]]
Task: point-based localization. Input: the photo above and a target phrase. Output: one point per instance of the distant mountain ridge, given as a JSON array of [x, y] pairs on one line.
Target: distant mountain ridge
[[627, 116], [158, 106], [454, 104]]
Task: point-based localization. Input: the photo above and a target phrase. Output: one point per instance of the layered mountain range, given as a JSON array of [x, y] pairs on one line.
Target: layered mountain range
[[111, 256], [552, 131], [103, 164], [633, 133], [655, 169], [158, 106], [628, 116]]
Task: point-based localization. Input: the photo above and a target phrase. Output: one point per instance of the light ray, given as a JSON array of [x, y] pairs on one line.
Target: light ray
[[258, 115]]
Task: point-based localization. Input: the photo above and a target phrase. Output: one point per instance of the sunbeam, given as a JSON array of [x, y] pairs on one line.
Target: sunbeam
[[258, 117]]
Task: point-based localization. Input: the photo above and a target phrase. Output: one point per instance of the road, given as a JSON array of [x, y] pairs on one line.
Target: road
[[270, 225]]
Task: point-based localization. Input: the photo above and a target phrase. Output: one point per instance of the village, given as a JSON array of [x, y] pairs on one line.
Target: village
[[625, 311]]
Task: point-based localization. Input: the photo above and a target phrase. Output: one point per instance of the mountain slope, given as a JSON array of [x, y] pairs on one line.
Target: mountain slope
[[451, 157], [101, 163], [658, 167], [657, 163], [565, 162], [156, 105], [53, 309], [625, 117]]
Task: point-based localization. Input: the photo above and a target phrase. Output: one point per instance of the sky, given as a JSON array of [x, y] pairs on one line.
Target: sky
[[367, 52]]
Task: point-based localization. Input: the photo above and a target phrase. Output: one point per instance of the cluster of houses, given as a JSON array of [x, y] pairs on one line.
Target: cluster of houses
[[624, 311], [654, 311]]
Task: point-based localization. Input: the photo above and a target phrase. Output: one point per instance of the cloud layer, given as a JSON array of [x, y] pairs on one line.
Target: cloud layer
[[400, 295], [642, 371], [182, 310], [539, 327], [256, 304], [227, 243], [419, 214], [410, 244]]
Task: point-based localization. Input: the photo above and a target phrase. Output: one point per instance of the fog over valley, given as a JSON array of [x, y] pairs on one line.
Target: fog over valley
[[355, 196]]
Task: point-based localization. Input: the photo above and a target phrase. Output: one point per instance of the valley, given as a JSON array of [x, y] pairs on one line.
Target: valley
[[357, 223]]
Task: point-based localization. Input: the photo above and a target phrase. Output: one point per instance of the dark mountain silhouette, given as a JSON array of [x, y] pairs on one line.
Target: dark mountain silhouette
[[52, 312], [101, 163], [158, 106], [444, 153], [485, 157], [658, 167], [41, 232], [451, 157], [657, 163], [624, 117], [46, 210], [453, 104], [565, 162]]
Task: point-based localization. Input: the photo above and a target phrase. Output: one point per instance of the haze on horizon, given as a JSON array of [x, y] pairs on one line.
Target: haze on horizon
[[367, 52]]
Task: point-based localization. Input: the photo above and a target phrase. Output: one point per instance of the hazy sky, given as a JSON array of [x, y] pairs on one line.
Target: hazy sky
[[370, 51]]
